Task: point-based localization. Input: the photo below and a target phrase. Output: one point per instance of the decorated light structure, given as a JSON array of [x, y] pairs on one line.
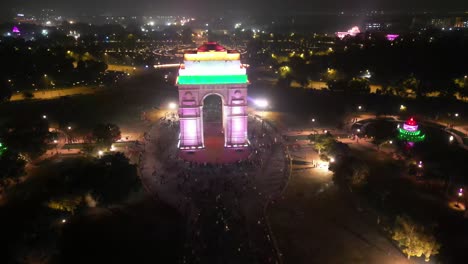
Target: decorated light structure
[[2, 149], [410, 131]]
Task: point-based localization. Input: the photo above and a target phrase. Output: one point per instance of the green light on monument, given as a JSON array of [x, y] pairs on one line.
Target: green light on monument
[[212, 79]]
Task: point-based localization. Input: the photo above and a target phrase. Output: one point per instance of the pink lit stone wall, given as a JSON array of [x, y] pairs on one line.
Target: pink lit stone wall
[[234, 99]]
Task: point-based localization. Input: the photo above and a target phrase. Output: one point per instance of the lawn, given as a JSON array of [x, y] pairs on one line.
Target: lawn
[[122, 105], [315, 222], [137, 228]]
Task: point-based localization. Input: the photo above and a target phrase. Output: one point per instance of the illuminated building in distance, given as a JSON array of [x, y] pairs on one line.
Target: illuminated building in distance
[[391, 37], [352, 32], [212, 69]]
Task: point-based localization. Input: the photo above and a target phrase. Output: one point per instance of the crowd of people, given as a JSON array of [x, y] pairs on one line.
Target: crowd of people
[[214, 197]]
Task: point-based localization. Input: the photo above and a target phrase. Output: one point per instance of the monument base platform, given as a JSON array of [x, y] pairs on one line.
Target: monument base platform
[[214, 151]]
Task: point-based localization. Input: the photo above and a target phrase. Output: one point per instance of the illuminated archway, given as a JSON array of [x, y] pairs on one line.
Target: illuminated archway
[[212, 70]]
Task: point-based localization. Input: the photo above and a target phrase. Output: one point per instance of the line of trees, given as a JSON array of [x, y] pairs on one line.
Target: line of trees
[[30, 65]]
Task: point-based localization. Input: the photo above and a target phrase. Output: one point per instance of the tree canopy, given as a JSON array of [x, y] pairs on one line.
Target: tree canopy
[[5, 92], [26, 134], [11, 164], [106, 134], [414, 239]]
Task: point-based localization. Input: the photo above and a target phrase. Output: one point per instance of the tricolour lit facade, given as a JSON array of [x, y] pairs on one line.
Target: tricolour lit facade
[[212, 69]]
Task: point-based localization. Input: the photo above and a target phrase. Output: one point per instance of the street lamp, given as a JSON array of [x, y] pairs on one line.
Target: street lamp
[[100, 153], [450, 139], [261, 103], [313, 119], [44, 117], [359, 107], [402, 107], [69, 128], [456, 114], [460, 194], [172, 105], [420, 164], [391, 141]]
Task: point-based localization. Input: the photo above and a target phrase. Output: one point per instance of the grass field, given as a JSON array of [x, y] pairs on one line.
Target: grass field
[[122, 105], [56, 93]]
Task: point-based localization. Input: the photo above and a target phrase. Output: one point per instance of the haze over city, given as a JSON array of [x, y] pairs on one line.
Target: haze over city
[[273, 132], [217, 7]]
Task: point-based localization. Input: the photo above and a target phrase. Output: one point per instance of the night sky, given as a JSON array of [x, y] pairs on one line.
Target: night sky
[[205, 7]]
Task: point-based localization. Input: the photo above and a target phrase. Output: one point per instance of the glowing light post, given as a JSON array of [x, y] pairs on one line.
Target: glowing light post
[[68, 134], [172, 106], [420, 164], [420, 167], [56, 145], [459, 194]]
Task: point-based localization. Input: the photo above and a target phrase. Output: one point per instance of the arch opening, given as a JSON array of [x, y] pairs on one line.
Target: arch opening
[[213, 123]]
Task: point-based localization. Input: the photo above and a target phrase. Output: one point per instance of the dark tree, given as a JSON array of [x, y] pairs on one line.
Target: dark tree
[[5, 93], [118, 178], [106, 134], [12, 164], [337, 85], [187, 37], [359, 86], [26, 135]]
